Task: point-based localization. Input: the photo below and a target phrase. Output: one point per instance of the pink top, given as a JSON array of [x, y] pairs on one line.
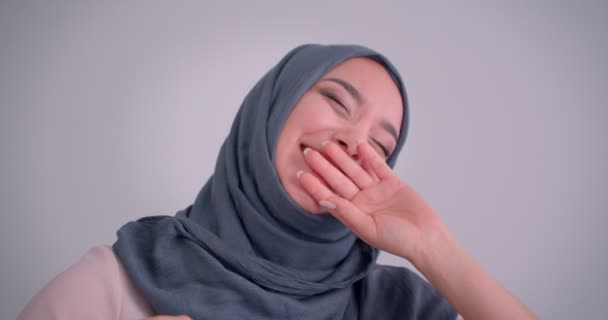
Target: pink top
[[95, 287]]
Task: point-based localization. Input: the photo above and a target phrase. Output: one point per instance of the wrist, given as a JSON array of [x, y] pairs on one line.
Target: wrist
[[435, 252], [464, 283]]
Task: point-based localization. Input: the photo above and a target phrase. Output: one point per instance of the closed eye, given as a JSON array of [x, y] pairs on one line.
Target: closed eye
[[382, 147], [337, 100]]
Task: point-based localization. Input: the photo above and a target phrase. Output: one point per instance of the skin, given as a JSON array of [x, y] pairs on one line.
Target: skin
[[319, 117], [330, 161], [354, 183]]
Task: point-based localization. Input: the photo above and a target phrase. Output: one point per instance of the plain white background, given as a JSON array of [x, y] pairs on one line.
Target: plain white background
[[114, 111]]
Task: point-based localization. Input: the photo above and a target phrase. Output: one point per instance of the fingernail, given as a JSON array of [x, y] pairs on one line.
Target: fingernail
[[326, 204], [299, 173], [324, 143], [306, 151], [360, 141]]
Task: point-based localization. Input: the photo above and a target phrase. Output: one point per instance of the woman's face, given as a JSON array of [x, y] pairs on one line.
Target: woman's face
[[356, 101]]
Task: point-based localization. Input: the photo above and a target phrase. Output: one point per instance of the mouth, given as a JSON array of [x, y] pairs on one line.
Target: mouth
[[302, 148], [309, 169]]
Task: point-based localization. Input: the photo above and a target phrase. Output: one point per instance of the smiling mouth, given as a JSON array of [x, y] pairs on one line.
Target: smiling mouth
[[310, 170]]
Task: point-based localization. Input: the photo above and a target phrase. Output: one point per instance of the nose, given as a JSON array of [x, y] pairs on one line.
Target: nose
[[348, 140]]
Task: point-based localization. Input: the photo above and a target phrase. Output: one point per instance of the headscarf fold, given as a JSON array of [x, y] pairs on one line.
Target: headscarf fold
[[244, 249]]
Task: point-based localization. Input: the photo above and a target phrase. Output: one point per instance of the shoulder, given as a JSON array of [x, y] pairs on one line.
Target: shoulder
[[95, 287], [411, 296]]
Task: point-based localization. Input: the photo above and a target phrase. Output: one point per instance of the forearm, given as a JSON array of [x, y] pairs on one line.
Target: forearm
[[465, 284]]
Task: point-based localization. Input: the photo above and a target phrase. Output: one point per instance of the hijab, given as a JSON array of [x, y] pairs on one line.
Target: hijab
[[245, 250]]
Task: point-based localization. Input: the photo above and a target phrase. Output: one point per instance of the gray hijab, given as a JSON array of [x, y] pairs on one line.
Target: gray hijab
[[245, 250]]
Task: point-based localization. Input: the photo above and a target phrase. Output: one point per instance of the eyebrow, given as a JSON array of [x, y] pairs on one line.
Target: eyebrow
[[348, 87], [357, 96]]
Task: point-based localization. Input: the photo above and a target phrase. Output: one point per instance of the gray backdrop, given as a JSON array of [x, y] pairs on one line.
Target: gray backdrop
[[113, 111]]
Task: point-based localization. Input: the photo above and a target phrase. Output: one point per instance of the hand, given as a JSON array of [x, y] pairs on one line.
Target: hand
[[169, 318], [390, 215], [371, 200]]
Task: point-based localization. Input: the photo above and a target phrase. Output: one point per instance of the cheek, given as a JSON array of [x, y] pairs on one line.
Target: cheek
[[313, 116], [308, 117]]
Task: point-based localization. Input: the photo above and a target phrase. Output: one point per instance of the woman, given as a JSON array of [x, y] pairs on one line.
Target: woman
[[290, 224]]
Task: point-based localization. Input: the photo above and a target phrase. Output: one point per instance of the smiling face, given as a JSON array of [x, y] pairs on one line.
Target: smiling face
[[355, 101]]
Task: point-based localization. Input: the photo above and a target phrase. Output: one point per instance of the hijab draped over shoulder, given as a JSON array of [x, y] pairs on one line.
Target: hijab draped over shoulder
[[245, 250]]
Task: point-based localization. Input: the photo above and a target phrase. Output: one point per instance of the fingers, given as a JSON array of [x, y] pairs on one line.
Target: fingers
[[348, 165], [341, 172], [345, 175], [341, 184], [368, 168], [360, 223], [356, 220], [375, 161], [314, 187]]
